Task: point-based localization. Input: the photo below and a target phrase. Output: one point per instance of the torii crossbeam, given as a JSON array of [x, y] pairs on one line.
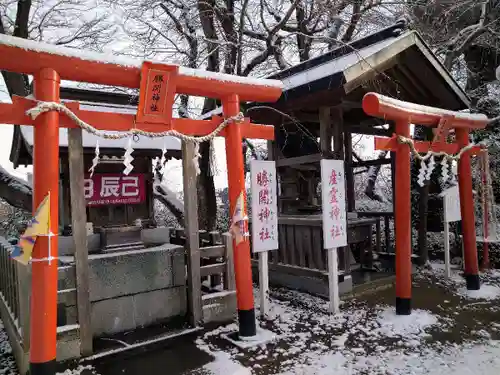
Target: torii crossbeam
[[50, 64], [404, 114]]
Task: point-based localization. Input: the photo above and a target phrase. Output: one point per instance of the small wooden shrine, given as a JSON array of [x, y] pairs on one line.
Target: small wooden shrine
[[317, 114], [113, 199]]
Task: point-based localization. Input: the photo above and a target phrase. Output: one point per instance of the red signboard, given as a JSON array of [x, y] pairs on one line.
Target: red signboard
[[108, 188], [157, 93]]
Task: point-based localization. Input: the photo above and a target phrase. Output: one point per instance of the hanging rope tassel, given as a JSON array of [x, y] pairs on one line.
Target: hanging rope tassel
[[422, 173], [95, 160], [163, 162], [128, 158], [430, 168], [444, 171], [196, 158]]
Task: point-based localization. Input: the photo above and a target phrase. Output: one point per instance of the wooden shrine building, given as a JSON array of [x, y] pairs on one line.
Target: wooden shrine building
[[318, 112], [127, 198]]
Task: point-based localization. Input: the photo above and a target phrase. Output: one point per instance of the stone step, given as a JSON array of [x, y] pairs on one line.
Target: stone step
[[68, 342], [219, 306], [120, 245], [127, 247]]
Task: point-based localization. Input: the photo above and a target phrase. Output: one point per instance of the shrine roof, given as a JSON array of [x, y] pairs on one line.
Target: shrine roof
[[394, 61]]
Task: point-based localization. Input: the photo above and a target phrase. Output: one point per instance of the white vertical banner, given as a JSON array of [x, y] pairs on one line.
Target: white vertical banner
[[333, 203], [451, 213], [264, 220], [452, 204], [334, 222]]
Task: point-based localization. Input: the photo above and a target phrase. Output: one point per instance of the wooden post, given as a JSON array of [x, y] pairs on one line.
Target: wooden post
[[191, 233], [337, 120], [467, 211], [264, 283], [325, 131], [349, 173], [333, 281], [402, 212], [446, 225], [78, 222], [24, 288], [229, 281]]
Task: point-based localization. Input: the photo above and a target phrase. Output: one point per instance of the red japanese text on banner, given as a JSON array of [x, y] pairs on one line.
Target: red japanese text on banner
[[157, 93], [108, 188], [333, 203], [264, 206]]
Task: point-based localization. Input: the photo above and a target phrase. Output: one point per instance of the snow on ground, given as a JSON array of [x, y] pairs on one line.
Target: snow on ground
[[78, 371], [222, 363], [371, 339], [456, 283], [448, 333], [392, 325], [469, 360], [7, 363], [486, 292]]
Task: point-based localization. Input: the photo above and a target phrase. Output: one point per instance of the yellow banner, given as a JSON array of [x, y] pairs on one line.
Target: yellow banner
[[38, 225]]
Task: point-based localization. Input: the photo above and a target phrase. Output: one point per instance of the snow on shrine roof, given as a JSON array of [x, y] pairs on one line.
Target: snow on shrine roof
[[349, 65], [90, 140], [108, 58]]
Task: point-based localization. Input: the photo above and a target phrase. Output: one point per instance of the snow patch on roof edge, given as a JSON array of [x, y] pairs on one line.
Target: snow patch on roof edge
[[108, 58]]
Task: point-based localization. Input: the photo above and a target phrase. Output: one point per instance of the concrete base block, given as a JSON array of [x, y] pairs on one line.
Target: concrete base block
[[67, 244], [220, 307], [130, 272], [311, 285], [155, 236], [68, 343], [130, 312]]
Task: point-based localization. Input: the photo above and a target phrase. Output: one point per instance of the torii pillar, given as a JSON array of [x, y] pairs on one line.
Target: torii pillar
[[404, 114]]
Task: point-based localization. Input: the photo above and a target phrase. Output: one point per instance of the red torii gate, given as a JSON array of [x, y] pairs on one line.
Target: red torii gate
[[49, 64], [403, 114]]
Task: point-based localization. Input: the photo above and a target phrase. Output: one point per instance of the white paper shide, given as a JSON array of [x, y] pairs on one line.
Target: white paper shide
[[333, 203], [264, 206]]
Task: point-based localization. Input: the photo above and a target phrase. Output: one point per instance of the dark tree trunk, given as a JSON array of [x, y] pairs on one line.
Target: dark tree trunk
[[207, 203], [372, 179]]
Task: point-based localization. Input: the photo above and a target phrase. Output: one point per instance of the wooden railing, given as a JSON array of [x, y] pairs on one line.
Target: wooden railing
[[8, 281], [216, 272], [15, 291], [301, 260], [387, 216]]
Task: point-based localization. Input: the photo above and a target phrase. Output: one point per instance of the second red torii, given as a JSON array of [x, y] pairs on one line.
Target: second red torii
[[404, 114]]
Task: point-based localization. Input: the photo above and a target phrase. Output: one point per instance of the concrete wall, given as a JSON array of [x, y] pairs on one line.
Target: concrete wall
[[137, 288], [67, 244], [155, 236]]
